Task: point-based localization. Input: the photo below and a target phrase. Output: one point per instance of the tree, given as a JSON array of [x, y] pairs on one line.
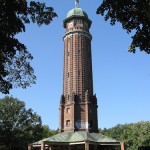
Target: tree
[[134, 15], [15, 68], [18, 126], [47, 132], [135, 135]]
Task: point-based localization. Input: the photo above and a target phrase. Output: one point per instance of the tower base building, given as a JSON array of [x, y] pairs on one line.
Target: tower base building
[[79, 140]]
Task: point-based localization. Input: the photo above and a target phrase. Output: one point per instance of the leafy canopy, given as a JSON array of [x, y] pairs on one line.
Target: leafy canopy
[[134, 15], [18, 126], [47, 132], [135, 135], [15, 68]]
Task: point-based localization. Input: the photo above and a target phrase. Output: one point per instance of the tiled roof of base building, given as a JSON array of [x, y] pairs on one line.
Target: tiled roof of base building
[[70, 137]]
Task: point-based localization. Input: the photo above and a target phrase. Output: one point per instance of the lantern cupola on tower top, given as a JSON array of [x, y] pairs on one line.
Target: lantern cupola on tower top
[[77, 12]]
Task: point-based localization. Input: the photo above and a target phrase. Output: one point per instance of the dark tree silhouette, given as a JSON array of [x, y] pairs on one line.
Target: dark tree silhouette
[[134, 15], [15, 68]]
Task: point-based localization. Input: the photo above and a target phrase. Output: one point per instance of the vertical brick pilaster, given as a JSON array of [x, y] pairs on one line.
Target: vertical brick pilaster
[[69, 147], [87, 116], [87, 146], [43, 146], [60, 118], [87, 110], [59, 147], [122, 145], [95, 147], [50, 148], [29, 147], [73, 117]]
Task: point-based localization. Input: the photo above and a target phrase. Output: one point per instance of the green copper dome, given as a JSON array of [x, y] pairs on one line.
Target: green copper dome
[[77, 12]]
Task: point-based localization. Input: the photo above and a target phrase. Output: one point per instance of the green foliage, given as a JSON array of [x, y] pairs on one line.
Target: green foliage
[[18, 126], [134, 15], [48, 132], [15, 68], [134, 135]]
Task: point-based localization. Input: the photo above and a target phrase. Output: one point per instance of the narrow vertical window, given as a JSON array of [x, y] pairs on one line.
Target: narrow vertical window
[[68, 123], [68, 110]]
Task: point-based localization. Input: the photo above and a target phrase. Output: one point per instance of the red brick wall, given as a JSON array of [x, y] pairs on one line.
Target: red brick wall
[[78, 79]]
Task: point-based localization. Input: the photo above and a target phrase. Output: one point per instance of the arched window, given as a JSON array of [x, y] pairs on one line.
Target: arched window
[[68, 123], [68, 110]]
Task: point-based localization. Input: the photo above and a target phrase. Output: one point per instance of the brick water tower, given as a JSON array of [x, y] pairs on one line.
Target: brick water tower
[[78, 105]]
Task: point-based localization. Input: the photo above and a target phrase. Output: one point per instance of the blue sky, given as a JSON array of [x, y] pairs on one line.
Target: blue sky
[[121, 79]]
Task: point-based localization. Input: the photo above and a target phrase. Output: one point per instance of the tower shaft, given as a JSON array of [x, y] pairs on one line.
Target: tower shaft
[[77, 65], [78, 106]]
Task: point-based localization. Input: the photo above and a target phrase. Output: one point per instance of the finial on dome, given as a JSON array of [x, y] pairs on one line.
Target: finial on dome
[[76, 3]]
